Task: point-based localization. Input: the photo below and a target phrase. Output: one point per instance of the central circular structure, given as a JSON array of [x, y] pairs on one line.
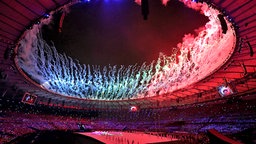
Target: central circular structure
[[196, 57]]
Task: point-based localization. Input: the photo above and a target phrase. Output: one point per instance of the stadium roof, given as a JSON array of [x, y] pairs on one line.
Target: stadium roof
[[19, 15]]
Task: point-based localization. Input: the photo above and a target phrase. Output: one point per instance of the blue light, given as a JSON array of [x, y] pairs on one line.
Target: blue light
[[195, 1], [85, 0], [46, 15]]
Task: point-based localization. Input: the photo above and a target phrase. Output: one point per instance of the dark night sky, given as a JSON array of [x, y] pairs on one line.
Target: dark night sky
[[106, 32]]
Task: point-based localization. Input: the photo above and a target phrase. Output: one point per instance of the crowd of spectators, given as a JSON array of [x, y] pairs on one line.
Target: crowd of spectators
[[14, 124], [17, 118], [227, 116]]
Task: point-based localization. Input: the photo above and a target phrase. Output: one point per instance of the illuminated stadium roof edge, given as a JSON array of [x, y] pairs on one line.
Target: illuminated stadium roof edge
[[241, 63]]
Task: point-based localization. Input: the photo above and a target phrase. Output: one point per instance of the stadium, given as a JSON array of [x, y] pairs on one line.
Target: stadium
[[128, 71]]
